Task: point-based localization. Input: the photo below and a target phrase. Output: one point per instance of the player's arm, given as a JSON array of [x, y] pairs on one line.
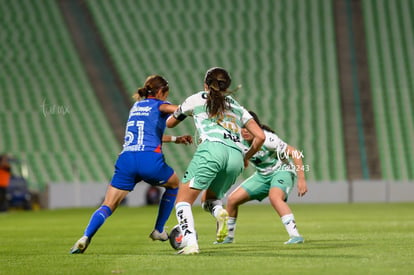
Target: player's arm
[[296, 157], [176, 118], [168, 108], [284, 150], [257, 142], [186, 139]]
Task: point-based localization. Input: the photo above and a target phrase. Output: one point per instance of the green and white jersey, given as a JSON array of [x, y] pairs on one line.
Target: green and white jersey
[[225, 129], [272, 156]]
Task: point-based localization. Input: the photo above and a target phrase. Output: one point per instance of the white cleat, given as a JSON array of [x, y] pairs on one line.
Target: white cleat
[[189, 250], [295, 240], [80, 246]]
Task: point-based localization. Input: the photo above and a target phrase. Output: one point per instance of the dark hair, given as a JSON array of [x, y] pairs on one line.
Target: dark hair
[[256, 118], [217, 80], [152, 84]]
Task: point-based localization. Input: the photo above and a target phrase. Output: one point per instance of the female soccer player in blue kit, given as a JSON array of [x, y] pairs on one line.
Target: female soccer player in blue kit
[[141, 159]]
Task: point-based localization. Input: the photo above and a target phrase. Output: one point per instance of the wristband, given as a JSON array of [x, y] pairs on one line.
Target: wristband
[[173, 138], [178, 114]]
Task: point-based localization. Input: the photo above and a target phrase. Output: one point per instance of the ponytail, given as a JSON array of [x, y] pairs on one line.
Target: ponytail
[[216, 103], [217, 80]]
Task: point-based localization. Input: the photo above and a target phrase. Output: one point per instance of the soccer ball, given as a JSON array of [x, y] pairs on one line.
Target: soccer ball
[[176, 238]]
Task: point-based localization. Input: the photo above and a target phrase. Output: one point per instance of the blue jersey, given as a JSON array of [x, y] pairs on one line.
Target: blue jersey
[[145, 126]]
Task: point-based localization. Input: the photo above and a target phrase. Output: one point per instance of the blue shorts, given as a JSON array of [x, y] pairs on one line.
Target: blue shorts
[[133, 167]]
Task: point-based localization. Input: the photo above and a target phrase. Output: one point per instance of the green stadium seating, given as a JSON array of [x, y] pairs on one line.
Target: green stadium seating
[[49, 113], [282, 52], [389, 30]]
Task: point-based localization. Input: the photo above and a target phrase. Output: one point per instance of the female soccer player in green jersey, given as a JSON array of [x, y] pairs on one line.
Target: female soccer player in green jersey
[[218, 160], [275, 177]]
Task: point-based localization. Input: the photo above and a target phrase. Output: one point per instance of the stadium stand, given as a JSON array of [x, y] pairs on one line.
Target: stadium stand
[[389, 26], [48, 111], [282, 52]]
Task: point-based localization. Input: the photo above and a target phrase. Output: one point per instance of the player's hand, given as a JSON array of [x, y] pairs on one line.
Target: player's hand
[[184, 140], [302, 187]]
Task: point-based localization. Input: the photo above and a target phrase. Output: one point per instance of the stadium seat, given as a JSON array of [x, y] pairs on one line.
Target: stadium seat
[[52, 116], [389, 45], [282, 52]]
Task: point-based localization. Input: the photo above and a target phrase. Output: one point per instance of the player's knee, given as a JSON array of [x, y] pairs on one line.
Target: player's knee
[[277, 194], [173, 182], [174, 185]]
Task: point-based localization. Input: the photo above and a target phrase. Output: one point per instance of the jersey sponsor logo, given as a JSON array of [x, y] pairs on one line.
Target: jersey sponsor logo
[[140, 111], [231, 136]]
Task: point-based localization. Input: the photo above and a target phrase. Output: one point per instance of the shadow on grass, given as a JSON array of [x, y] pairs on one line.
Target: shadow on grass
[[309, 244], [275, 252], [309, 249], [266, 249]]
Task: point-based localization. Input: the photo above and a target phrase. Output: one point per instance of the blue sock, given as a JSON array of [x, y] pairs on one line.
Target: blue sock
[[166, 206], [97, 219]]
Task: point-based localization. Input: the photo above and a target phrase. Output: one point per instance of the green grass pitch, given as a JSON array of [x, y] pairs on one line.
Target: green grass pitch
[[340, 239]]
